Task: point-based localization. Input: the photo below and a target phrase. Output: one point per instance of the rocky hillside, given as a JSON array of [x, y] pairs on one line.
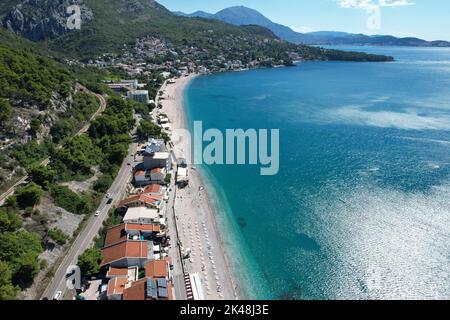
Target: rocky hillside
[[42, 19], [33, 89], [108, 25]]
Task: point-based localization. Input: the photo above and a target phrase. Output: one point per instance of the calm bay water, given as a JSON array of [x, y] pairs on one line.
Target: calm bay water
[[361, 206]]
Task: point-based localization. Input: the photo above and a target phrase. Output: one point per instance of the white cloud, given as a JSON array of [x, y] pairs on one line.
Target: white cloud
[[370, 4], [302, 29]]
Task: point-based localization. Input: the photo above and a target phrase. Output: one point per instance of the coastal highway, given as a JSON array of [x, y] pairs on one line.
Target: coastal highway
[[45, 162], [93, 225]]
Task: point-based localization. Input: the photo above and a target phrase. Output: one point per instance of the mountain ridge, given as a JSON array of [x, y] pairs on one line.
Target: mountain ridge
[[241, 15]]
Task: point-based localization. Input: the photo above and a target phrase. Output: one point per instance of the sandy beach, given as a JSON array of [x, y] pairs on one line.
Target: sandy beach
[[194, 212]]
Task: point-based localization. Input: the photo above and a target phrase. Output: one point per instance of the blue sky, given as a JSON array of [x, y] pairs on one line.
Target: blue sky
[[428, 19]]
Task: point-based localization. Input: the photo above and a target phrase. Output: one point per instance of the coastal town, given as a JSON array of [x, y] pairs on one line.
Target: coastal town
[[94, 175], [164, 243], [149, 55], [166, 246]]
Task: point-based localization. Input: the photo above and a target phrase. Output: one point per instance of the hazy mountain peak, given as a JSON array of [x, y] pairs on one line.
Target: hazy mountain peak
[[241, 15]]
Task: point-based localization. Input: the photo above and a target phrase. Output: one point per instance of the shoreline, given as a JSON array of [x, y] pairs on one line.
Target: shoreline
[[197, 218]]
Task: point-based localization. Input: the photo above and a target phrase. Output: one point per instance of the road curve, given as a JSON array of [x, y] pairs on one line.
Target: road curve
[[45, 162]]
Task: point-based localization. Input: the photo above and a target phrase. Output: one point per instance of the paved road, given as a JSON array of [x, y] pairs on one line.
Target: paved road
[[86, 237], [45, 162]]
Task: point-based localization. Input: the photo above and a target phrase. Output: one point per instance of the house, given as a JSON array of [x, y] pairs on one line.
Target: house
[[156, 156], [132, 231], [140, 96], [153, 190], [143, 215], [130, 273], [116, 287], [148, 231], [141, 178], [149, 289], [157, 160], [141, 200], [115, 235], [124, 85], [133, 83], [158, 175], [158, 269], [136, 291], [145, 177], [125, 254]]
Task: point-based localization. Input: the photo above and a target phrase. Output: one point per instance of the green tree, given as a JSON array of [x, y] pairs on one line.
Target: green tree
[[35, 126], [148, 129], [58, 235], [103, 183], [9, 221], [20, 250], [69, 200], [5, 111], [89, 262], [7, 290], [42, 175], [29, 195]]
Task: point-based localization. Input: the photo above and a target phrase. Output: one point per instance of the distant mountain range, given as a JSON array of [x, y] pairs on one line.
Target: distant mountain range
[[241, 15]]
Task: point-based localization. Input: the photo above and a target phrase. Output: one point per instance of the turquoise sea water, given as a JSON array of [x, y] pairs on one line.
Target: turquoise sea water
[[361, 206]]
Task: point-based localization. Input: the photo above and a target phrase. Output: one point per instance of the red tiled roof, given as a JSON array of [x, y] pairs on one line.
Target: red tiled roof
[[140, 198], [117, 272], [136, 291], [115, 235], [153, 188], [126, 249], [156, 269], [116, 286], [143, 227]]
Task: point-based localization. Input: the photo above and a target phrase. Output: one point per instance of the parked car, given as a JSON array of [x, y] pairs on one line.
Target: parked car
[[109, 201], [97, 213]]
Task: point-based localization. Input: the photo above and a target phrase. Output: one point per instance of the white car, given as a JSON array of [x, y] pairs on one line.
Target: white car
[[57, 295], [97, 213], [108, 195]]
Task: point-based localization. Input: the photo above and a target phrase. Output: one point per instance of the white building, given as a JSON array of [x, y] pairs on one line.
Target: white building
[[142, 215], [140, 96]]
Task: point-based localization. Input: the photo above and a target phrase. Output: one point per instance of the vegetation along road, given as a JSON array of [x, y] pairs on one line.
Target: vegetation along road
[[45, 162]]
